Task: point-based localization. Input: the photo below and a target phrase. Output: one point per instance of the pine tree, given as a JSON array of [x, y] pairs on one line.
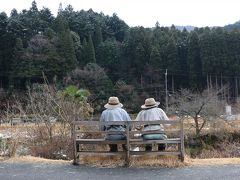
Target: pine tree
[[77, 45], [66, 46], [194, 62], [17, 57], [108, 56], [155, 58], [172, 56], [98, 36], [89, 51]]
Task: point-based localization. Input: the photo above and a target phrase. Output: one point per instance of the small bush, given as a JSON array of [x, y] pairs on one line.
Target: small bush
[[57, 148], [215, 144]]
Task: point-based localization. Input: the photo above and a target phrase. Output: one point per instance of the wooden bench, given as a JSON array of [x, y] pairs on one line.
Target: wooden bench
[[175, 137], [87, 132]]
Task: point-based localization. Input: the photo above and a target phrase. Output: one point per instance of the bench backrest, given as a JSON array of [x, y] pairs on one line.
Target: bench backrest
[[127, 124]]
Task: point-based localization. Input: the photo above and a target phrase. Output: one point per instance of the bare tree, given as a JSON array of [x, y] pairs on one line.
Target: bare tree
[[202, 107], [44, 103]]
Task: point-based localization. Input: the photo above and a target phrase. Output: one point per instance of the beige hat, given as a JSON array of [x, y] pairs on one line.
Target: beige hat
[[113, 102], [150, 103]]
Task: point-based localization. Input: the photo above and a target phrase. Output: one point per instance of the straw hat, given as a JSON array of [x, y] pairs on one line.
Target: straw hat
[[150, 103], [113, 102]]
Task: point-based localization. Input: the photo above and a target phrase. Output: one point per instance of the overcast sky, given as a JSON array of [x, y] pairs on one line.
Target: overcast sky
[[147, 12]]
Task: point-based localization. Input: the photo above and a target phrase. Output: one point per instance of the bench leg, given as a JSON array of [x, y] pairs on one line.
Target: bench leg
[[127, 156], [181, 155], [76, 160], [75, 155]]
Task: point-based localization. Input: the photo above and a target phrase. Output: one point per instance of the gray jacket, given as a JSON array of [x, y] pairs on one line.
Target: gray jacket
[[116, 114]]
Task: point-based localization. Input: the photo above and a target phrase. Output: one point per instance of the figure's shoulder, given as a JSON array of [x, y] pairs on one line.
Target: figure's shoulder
[[162, 112], [141, 112], [104, 111], [158, 109], [155, 110], [122, 110]]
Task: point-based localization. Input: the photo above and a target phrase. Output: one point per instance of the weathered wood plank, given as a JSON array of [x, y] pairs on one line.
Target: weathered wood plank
[[182, 141], [99, 141], [154, 153], [101, 153], [126, 122], [168, 141], [128, 146], [155, 122], [101, 132], [75, 144], [98, 123], [154, 132]]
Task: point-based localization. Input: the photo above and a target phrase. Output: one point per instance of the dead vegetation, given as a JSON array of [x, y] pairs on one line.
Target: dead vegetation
[[32, 159], [43, 138], [137, 162]]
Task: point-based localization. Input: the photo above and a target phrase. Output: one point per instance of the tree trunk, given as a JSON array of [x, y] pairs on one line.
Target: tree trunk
[[197, 130]]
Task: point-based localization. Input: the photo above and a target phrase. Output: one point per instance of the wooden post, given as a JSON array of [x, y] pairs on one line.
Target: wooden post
[[182, 140], [128, 145], [75, 162]]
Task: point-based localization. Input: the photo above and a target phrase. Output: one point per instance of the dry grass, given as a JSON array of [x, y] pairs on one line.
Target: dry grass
[[213, 161], [103, 161], [31, 159], [157, 161], [137, 161]]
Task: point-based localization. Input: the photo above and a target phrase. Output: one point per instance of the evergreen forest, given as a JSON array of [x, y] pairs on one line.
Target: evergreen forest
[[103, 54]]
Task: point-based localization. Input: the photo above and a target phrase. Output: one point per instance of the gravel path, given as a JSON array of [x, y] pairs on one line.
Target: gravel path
[[27, 171]]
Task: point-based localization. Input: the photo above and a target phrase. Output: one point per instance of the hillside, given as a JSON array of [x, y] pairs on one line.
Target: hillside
[[235, 25]]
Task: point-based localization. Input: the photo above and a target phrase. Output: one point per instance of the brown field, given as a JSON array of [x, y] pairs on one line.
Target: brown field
[[208, 156]]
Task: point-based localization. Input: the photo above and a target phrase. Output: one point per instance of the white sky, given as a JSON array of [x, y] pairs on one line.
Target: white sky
[[147, 12]]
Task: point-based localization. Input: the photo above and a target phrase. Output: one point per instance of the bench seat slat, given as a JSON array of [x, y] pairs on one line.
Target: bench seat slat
[[99, 141], [101, 132], [154, 152], [100, 153], [168, 141], [155, 122], [98, 123], [154, 132]]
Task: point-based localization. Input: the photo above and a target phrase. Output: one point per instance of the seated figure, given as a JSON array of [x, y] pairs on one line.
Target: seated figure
[[151, 112], [114, 112]]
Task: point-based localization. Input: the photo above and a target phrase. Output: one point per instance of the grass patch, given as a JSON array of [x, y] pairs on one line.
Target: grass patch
[[136, 161], [32, 159]]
